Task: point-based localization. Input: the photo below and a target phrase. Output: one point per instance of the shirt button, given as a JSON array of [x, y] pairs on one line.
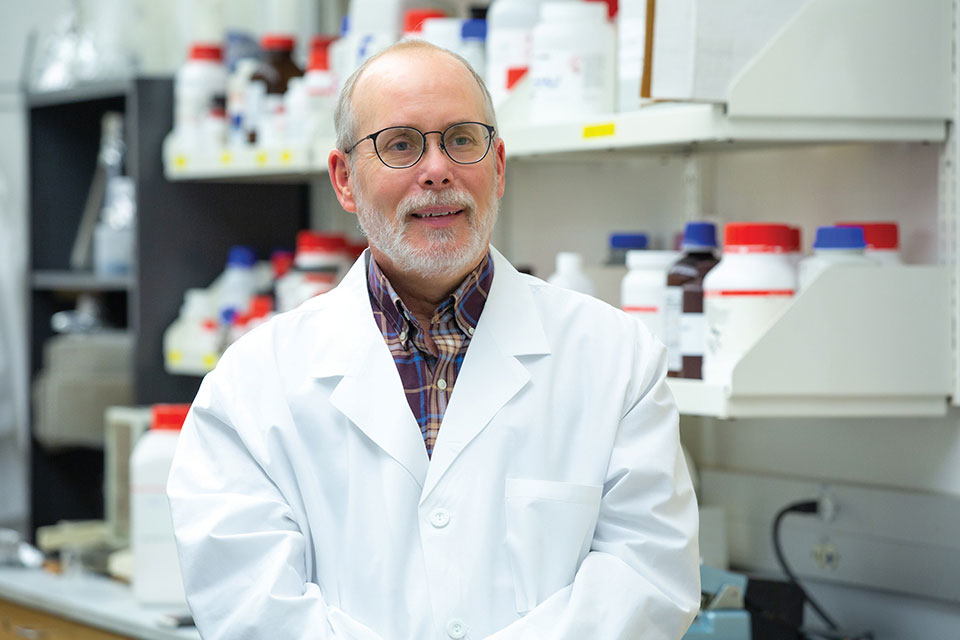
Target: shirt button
[[441, 384], [456, 629], [470, 330], [439, 518], [403, 336]]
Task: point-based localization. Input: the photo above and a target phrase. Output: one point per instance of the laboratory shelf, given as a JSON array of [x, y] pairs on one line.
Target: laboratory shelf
[[282, 164], [84, 92], [81, 281], [861, 341]]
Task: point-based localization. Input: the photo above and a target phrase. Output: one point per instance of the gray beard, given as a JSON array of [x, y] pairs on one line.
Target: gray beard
[[440, 255]]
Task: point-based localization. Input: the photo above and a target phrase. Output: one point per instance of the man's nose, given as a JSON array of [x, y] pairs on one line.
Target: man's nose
[[435, 165]]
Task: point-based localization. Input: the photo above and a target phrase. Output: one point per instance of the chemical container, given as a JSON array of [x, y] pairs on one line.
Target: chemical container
[[573, 62], [570, 274], [833, 246], [510, 26], [684, 325], [200, 80], [745, 293], [643, 293], [882, 238], [156, 567]]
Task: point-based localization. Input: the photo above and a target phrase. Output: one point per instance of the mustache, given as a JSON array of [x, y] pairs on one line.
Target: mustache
[[453, 198]]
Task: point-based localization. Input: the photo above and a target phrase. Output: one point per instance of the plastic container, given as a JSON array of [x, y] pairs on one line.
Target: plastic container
[[684, 324], [156, 568], [745, 293], [237, 284], [192, 344], [833, 246], [321, 260], [473, 44], [414, 19], [276, 70], [510, 26], [320, 86], [573, 67], [643, 292], [443, 32], [240, 116], [570, 273], [883, 241], [621, 243], [202, 78]]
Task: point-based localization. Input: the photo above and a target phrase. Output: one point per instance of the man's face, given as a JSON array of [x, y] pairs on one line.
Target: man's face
[[428, 91]]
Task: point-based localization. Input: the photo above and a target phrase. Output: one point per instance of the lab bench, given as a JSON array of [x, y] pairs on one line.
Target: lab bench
[[39, 604]]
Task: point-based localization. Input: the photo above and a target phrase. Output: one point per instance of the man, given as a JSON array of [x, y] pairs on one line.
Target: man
[[441, 447]]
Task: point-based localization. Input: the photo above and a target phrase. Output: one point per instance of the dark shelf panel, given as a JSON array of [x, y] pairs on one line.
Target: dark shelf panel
[[78, 281], [81, 93]]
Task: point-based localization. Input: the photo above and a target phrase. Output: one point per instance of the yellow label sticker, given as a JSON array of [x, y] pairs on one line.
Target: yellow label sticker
[[174, 357], [262, 158], [286, 156], [210, 360], [226, 157], [180, 162], [599, 130]]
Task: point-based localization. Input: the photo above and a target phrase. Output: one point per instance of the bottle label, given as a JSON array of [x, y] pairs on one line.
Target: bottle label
[[735, 320], [693, 334], [571, 82], [672, 330], [506, 49]]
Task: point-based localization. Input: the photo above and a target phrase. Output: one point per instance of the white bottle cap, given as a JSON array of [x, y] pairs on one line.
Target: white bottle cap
[[569, 261]]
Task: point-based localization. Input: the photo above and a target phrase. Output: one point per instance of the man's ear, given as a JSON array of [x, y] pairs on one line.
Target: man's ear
[[338, 165], [500, 154]]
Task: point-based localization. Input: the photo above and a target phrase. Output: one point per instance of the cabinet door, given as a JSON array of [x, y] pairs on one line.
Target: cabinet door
[[22, 623]]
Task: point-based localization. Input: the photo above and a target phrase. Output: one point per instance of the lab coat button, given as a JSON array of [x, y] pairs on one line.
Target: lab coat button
[[456, 629], [439, 518]]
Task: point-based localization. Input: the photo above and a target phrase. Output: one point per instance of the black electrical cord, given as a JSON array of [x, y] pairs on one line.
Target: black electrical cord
[[806, 506]]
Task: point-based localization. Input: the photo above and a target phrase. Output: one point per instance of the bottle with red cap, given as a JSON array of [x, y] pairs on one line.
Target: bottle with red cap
[[413, 20], [321, 260], [276, 70], [199, 88], [745, 293], [883, 241], [320, 86], [156, 568]]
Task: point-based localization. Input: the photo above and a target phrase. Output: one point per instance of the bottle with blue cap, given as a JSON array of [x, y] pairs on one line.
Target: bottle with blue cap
[[237, 284], [832, 247], [685, 327], [621, 243]]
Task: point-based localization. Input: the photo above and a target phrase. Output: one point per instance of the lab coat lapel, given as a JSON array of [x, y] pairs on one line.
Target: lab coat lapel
[[369, 392], [493, 371]]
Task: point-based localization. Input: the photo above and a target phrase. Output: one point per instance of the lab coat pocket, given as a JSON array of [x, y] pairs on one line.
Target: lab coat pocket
[[549, 530]]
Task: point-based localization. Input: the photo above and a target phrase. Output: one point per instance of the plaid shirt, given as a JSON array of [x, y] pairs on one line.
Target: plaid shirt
[[428, 380]]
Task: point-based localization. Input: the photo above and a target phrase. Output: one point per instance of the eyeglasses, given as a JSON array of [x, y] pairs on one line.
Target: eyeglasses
[[402, 147]]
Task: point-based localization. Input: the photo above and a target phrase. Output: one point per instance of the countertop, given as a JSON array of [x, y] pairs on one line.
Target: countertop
[[92, 600]]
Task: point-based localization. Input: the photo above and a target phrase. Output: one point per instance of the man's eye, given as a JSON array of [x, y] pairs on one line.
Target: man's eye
[[462, 141]]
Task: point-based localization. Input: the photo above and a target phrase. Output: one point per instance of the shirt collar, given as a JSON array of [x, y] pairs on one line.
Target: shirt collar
[[467, 300]]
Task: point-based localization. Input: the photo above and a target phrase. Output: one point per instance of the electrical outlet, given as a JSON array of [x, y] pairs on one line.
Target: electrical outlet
[[826, 555]]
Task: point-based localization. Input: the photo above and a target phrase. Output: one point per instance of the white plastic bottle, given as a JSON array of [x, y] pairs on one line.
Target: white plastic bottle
[[574, 62], [745, 293], [443, 32], [833, 246], [196, 84], [509, 42], [320, 261], [238, 111], [156, 567], [473, 43], [570, 273], [192, 343], [643, 292], [320, 83], [883, 241], [237, 284]]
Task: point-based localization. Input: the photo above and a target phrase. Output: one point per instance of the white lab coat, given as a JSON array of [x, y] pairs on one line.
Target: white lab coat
[[557, 504]]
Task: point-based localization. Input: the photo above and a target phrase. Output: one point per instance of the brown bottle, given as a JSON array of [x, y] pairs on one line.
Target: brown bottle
[[275, 71], [684, 328]]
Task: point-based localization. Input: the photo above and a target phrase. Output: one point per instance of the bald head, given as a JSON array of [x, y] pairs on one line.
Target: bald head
[[360, 89]]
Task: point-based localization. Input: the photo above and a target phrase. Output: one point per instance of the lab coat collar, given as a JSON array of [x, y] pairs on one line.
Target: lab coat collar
[[371, 394]]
